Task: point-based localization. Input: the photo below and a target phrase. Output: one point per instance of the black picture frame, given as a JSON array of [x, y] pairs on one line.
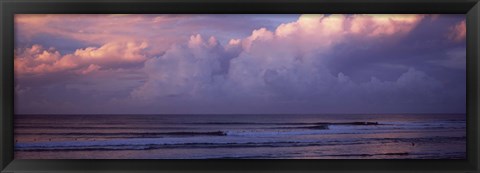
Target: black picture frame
[[10, 7]]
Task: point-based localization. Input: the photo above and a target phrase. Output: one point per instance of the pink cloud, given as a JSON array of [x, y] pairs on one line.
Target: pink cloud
[[103, 29], [289, 56], [37, 60], [286, 65], [313, 34], [383, 24], [320, 32], [91, 68], [458, 32], [114, 52], [309, 34]]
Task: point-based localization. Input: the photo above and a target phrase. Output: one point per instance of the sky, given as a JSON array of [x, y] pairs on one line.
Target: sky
[[240, 64]]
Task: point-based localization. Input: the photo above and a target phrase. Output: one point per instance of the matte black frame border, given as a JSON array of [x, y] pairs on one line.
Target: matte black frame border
[[10, 7]]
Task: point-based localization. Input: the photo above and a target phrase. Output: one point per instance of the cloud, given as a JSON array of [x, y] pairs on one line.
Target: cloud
[[38, 60], [381, 25], [65, 31], [113, 52], [299, 48], [184, 69], [91, 28], [19, 90], [91, 68], [35, 60], [283, 69], [458, 32], [319, 32], [98, 30], [455, 59]]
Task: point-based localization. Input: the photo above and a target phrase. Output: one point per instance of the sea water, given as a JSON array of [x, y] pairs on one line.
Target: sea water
[[279, 136]]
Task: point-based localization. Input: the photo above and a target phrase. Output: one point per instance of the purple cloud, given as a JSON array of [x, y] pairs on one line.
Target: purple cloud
[[316, 64]]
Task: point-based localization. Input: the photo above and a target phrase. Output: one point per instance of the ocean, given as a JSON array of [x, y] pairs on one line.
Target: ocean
[[335, 136]]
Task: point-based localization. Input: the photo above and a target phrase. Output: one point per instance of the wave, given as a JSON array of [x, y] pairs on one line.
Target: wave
[[179, 145], [150, 144], [93, 127], [318, 127], [315, 123], [370, 155], [213, 133], [315, 129]]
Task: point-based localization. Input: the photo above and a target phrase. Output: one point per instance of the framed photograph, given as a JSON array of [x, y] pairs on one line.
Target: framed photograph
[[239, 86]]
